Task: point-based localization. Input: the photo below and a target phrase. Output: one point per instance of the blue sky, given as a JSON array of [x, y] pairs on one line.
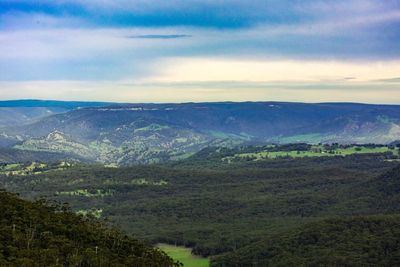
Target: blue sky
[[190, 50]]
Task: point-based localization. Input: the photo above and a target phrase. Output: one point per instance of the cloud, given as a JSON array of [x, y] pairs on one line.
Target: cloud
[[211, 69], [202, 13], [83, 54], [313, 29], [171, 46], [17, 20], [107, 53], [159, 36], [123, 91], [391, 80]]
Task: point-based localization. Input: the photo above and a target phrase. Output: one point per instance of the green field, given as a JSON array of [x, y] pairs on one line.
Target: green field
[[316, 151], [184, 255], [86, 193], [32, 168]]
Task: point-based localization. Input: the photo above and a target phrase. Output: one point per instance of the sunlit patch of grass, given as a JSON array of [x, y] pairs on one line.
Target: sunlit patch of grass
[[143, 181], [92, 212], [87, 193], [316, 151], [184, 255]]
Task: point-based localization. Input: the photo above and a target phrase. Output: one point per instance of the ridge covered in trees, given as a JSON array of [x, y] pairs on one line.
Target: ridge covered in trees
[[43, 234], [354, 241]]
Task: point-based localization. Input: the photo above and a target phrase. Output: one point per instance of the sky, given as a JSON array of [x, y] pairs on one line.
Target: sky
[[194, 51]]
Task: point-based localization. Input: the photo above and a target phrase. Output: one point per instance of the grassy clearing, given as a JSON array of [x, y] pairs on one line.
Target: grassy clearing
[[143, 181], [93, 212], [316, 151], [9, 167], [23, 169], [87, 193], [184, 255]]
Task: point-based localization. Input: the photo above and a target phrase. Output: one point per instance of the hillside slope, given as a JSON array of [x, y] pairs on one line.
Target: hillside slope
[[356, 241], [22, 112], [35, 234], [367, 240]]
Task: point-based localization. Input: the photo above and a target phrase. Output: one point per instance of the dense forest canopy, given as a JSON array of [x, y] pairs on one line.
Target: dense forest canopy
[[229, 209], [351, 241], [44, 234]]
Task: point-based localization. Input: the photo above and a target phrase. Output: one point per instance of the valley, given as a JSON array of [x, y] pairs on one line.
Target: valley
[[189, 133], [126, 134], [219, 209], [222, 184]]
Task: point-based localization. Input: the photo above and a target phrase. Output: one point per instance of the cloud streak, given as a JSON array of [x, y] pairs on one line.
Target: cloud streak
[[206, 69], [159, 36], [123, 91]]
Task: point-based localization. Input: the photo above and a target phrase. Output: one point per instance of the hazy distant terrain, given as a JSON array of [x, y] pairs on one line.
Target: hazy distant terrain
[[126, 134], [17, 112]]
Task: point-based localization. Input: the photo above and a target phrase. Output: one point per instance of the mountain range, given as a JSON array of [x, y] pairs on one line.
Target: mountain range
[[124, 134]]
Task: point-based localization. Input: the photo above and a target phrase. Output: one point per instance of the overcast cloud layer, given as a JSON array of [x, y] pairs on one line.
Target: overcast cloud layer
[[190, 50]]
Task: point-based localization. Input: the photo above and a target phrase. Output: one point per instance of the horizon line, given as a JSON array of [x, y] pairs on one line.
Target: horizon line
[[194, 102]]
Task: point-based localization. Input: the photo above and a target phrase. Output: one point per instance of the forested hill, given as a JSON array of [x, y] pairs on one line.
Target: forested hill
[[37, 234], [362, 240], [357, 241]]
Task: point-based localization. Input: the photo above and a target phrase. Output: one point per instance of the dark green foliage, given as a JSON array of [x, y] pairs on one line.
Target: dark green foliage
[[214, 206], [39, 234], [220, 208], [387, 190], [388, 184], [354, 241], [291, 147]]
